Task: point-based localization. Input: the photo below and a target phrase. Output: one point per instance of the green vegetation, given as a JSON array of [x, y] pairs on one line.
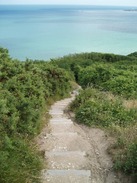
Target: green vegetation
[[26, 90], [102, 109], [93, 107], [108, 100], [107, 72]]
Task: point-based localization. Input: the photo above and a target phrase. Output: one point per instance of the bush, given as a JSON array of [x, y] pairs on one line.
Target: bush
[[128, 161], [123, 85], [107, 73], [108, 78], [25, 91], [95, 75], [19, 162], [97, 109]]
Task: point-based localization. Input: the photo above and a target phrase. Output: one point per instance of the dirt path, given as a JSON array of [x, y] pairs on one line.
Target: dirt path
[[74, 153]]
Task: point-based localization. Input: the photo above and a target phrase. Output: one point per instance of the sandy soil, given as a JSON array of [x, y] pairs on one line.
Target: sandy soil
[[101, 164]]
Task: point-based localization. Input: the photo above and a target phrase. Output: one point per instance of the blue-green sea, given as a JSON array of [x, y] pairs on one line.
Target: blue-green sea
[[45, 31]]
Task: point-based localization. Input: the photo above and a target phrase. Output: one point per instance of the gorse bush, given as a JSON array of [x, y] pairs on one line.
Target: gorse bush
[[108, 73], [19, 162], [123, 85], [93, 107], [95, 75], [27, 88], [25, 91], [87, 59], [128, 161], [107, 78]]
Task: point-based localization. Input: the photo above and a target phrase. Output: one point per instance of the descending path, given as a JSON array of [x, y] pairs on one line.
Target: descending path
[[75, 153], [65, 149]]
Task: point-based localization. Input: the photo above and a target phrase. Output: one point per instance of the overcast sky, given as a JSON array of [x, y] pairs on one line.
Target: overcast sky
[[92, 2]]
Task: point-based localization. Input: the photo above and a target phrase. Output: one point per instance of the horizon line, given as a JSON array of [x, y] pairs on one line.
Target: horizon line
[[71, 4]]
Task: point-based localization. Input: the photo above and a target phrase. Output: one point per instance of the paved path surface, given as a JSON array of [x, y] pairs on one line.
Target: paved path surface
[[65, 149]]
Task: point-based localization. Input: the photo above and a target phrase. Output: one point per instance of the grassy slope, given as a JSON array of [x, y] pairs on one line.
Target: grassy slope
[[108, 100], [26, 89]]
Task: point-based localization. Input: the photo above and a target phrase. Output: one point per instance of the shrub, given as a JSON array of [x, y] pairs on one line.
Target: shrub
[[25, 91], [19, 162], [105, 113], [123, 85], [99, 110], [128, 161], [95, 108], [95, 75]]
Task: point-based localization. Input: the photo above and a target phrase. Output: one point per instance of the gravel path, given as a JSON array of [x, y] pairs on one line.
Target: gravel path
[[74, 153]]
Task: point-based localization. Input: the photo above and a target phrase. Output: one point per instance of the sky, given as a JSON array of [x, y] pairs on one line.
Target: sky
[[86, 2]]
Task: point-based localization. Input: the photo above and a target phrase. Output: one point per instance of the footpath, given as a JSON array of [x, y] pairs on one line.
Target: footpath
[[65, 149], [75, 153]]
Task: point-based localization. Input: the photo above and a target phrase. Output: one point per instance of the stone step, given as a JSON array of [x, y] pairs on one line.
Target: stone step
[[59, 104], [60, 120], [66, 142], [61, 127], [53, 112], [57, 115], [65, 100], [66, 160], [64, 135], [65, 150], [59, 107], [66, 176], [62, 103]]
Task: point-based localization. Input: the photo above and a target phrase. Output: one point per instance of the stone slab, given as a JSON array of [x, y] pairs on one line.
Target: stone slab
[[66, 160], [66, 176]]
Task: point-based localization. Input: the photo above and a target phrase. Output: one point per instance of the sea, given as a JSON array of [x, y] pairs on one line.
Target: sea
[[44, 32]]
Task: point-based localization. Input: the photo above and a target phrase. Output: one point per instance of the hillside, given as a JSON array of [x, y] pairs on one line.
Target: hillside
[[27, 89], [108, 101]]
